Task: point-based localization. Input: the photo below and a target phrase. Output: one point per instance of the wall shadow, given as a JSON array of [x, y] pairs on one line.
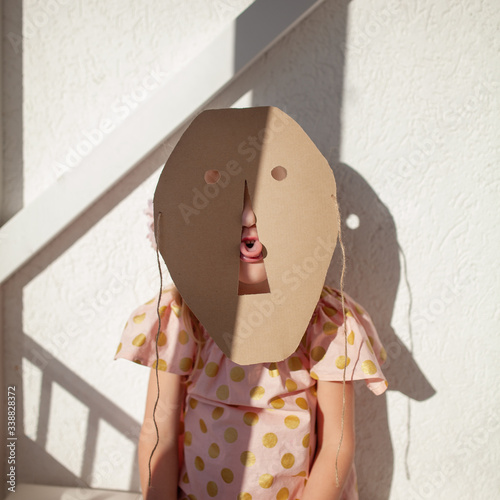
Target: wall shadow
[[310, 90], [373, 276], [12, 110]]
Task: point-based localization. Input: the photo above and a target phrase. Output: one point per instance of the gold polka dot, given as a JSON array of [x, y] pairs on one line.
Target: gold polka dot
[[283, 494], [329, 328], [230, 435], [340, 362], [188, 438], [211, 369], [386, 383], [305, 440], [269, 440], [193, 403], [139, 340], [287, 460], [290, 385], [150, 301], [330, 311], [212, 489], [318, 353], [247, 458], [277, 403], [244, 496], [266, 480], [139, 318], [383, 355], [348, 313], [185, 364], [139, 362], [250, 418], [358, 309], [162, 309], [294, 363], [162, 365], [313, 390], [162, 339], [203, 426], [257, 392], [192, 497], [237, 374], [301, 474], [227, 475], [302, 403], [350, 338], [213, 450], [176, 309], [183, 337], [273, 370], [200, 364], [119, 348], [217, 413], [368, 367], [292, 422], [222, 392], [185, 478], [199, 463], [314, 376]]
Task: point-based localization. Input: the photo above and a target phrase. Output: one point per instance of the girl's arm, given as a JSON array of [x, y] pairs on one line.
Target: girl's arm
[[165, 462], [321, 484]]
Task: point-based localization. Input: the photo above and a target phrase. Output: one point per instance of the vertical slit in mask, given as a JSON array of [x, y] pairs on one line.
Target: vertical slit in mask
[[248, 288]]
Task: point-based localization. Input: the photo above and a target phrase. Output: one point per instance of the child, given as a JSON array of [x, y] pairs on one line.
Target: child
[[282, 429]]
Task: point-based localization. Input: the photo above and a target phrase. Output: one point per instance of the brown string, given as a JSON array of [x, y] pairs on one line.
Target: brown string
[[339, 222], [410, 331], [157, 238]]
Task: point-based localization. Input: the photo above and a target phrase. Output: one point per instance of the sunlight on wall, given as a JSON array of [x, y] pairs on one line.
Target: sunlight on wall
[[32, 378], [66, 437]]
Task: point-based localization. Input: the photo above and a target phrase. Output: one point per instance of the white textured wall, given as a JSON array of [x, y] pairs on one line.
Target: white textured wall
[[403, 99]]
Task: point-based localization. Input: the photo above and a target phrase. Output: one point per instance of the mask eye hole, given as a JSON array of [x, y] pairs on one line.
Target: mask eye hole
[[279, 173], [212, 176]]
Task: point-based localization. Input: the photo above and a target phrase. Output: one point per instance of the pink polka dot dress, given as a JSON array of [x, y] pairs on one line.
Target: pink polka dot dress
[[249, 431]]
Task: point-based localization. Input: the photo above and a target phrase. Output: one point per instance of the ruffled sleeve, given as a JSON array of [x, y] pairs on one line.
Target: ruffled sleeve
[[326, 340], [176, 348]]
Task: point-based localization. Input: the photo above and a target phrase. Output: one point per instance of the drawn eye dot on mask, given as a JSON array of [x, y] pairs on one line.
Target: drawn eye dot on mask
[[212, 176], [279, 173], [352, 221]]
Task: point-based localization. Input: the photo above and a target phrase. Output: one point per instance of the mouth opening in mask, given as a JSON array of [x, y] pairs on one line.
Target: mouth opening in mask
[[252, 272]]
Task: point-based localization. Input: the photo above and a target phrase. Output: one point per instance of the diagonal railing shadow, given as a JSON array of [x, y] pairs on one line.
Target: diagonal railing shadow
[[99, 407]]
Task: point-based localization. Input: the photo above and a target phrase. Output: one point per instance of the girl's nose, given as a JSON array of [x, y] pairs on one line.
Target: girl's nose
[[247, 216]]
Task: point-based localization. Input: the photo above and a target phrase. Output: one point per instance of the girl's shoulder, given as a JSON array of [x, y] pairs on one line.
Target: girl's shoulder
[[333, 330], [162, 326]]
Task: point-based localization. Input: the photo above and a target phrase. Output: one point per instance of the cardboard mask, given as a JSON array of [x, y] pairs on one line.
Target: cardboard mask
[[200, 227]]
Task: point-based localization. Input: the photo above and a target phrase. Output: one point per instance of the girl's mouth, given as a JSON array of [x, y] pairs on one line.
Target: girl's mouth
[[251, 250]]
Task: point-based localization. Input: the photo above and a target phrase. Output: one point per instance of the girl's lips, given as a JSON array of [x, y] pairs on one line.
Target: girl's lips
[[252, 260], [250, 250]]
